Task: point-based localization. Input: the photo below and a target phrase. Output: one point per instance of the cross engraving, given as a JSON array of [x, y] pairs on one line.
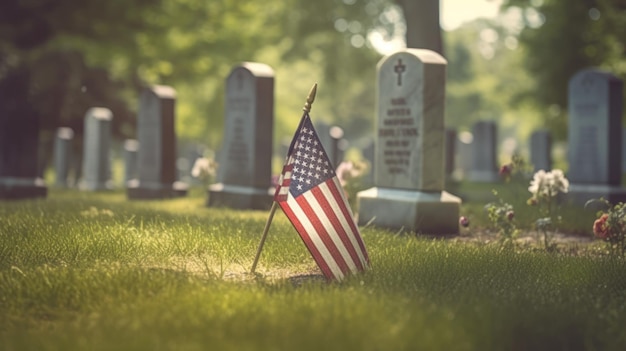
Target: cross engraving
[[399, 69]]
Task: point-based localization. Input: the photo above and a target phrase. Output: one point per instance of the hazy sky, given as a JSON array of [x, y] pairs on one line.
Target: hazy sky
[[455, 12]]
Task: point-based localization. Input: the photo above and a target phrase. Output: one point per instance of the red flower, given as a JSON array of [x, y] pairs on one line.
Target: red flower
[[601, 227], [506, 170]]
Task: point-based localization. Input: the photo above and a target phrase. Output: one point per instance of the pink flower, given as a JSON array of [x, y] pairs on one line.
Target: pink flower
[[601, 227], [464, 221], [275, 179]]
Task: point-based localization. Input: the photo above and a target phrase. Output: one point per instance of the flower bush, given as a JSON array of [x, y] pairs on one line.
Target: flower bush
[[611, 227], [545, 187], [350, 175], [204, 169], [501, 215]]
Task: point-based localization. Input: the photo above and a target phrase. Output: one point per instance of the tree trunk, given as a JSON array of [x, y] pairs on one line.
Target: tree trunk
[[423, 30]]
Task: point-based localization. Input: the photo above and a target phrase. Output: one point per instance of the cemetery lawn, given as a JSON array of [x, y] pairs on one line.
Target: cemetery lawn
[[83, 271]]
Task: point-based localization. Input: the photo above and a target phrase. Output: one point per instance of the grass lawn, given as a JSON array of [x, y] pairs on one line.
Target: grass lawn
[[85, 271]]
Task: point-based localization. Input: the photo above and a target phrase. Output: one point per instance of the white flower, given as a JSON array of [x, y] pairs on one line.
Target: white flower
[[203, 168], [548, 183]]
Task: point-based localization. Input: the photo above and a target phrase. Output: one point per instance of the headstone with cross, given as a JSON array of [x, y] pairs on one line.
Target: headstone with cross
[[156, 135], [245, 160], [595, 107], [409, 160]]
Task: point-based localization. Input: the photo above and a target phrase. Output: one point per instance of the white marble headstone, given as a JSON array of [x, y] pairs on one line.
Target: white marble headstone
[[409, 181], [410, 130]]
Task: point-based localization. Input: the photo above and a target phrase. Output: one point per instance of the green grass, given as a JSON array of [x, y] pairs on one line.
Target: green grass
[[83, 271]]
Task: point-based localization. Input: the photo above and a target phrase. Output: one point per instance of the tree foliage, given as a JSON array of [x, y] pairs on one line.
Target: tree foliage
[[562, 37]]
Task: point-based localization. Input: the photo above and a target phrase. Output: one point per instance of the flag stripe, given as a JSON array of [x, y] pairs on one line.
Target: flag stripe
[[346, 229], [312, 242], [340, 198], [339, 227], [327, 227], [319, 231]]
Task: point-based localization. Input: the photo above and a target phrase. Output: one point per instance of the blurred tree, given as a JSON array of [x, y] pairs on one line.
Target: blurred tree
[[92, 52], [562, 37], [422, 24]]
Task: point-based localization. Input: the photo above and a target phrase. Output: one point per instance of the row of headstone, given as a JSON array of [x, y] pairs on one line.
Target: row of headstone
[[149, 171], [477, 161]]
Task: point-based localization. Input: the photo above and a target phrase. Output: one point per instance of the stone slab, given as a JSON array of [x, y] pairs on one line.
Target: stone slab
[[421, 212], [232, 196], [579, 194]]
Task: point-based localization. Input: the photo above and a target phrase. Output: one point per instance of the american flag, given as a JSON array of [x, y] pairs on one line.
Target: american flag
[[311, 196]]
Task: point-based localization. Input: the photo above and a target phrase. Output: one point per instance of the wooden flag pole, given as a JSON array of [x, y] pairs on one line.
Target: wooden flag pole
[[307, 109]]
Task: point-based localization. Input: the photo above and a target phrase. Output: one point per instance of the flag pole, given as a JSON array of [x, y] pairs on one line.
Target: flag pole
[[307, 108]]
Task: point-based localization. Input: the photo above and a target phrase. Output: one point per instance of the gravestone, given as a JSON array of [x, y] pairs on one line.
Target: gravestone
[[63, 156], [595, 106], [245, 162], [156, 158], [464, 150], [409, 148], [19, 138], [96, 150], [484, 166], [131, 151], [541, 150]]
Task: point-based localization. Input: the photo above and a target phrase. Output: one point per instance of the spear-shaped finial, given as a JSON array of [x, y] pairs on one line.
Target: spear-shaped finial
[[310, 99]]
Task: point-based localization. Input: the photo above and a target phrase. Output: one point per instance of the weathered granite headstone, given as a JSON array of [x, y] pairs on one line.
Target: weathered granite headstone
[[245, 162], [96, 150], [484, 154], [409, 163], [541, 150], [156, 134], [63, 155], [19, 138], [595, 106], [131, 151]]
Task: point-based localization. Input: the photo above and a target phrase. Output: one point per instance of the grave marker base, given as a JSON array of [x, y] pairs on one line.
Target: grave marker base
[[138, 191], [22, 188], [239, 197], [579, 194], [416, 211]]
